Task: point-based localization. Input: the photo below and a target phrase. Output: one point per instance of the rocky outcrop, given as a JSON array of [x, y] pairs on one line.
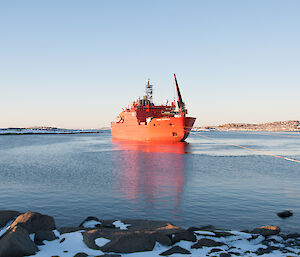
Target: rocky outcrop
[[42, 235], [184, 235], [112, 238], [207, 242], [292, 125], [6, 216], [17, 243], [34, 221], [130, 243], [141, 235], [175, 249], [266, 230]]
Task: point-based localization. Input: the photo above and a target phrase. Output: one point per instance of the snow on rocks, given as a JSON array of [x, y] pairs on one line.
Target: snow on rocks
[[31, 233], [90, 222], [101, 241], [119, 224]]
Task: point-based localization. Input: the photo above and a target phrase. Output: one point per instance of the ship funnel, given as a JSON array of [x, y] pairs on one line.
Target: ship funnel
[[180, 103]]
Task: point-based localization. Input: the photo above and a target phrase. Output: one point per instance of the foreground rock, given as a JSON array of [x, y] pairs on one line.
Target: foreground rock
[[207, 243], [17, 243], [111, 238], [34, 221], [130, 243], [47, 235], [140, 236], [266, 230], [175, 249], [6, 216]]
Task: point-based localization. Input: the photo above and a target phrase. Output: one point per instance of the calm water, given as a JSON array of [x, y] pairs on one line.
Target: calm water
[[196, 183]]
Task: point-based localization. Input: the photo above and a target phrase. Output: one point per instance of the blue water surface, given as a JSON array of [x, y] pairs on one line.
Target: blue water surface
[[207, 180]]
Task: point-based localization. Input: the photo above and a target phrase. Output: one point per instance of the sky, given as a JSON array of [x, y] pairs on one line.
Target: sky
[[76, 64]]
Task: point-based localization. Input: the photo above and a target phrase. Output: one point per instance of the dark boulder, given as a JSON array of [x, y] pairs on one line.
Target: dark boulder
[[42, 235], [293, 235], [162, 238], [266, 230], [175, 249], [207, 243], [80, 255], [215, 250], [89, 218], [6, 216], [235, 253], [109, 255], [151, 225], [261, 251], [285, 214], [17, 243], [130, 243], [64, 230], [184, 235], [224, 255], [222, 234], [210, 228], [34, 221], [89, 238], [108, 224]]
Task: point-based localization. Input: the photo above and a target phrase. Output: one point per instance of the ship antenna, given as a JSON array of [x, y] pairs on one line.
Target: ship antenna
[[180, 103], [149, 91]]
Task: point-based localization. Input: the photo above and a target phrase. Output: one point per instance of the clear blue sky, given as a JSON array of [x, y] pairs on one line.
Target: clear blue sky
[[77, 63]]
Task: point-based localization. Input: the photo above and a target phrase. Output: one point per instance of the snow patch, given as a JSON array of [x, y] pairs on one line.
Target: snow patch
[[101, 241], [202, 232], [91, 224], [119, 224]]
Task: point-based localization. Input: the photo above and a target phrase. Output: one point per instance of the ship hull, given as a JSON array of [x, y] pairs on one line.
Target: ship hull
[[171, 129]]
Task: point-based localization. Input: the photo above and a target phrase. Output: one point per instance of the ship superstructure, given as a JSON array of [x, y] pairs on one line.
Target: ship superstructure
[[144, 121]]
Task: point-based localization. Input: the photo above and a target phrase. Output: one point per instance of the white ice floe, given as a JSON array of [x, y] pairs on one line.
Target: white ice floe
[[119, 224], [91, 224], [101, 241]]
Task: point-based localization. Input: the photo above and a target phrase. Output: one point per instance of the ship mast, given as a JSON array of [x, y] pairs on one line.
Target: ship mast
[[149, 91], [181, 105]]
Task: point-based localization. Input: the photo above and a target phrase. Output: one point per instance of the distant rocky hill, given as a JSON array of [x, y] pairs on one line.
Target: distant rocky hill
[[292, 125]]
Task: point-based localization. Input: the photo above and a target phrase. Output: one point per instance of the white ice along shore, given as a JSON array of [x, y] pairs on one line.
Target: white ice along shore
[[45, 130], [138, 238]]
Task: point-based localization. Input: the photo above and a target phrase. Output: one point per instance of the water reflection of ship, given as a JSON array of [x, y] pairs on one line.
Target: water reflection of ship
[[151, 172]]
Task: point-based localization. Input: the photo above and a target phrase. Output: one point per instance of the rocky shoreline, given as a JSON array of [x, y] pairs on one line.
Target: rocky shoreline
[[277, 126], [35, 234]]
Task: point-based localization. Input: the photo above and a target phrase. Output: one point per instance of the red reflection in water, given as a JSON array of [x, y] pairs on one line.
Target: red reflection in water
[[151, 171]]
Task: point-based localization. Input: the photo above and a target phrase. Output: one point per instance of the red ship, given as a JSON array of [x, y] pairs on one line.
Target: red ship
[[144, 121]]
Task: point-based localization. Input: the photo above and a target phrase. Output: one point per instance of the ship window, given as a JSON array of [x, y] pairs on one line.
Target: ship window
[[153, 125], [171, 124], [174, 134]]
